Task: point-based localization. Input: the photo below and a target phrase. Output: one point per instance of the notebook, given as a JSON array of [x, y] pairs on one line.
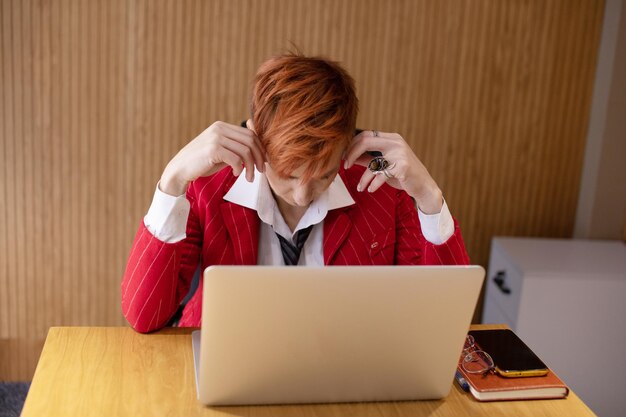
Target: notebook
[[284, 335], [492, 387]]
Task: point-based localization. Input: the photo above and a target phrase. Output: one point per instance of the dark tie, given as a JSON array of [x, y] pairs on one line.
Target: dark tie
[[291, 252]]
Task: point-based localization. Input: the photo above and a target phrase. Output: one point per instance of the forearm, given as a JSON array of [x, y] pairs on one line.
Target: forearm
[[163, 258], [428, 239], [450, 252], [428, 197], [149, 282]]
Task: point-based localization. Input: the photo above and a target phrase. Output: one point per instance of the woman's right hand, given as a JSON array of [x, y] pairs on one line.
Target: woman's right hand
[[221, 144]]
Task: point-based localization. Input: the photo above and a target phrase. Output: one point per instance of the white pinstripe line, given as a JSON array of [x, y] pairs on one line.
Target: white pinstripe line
[[401, 240], [436, 253], [153, 289], [174, 283], [207, 183], [330, 232], [143, 231], [355, 253], [345, 260], [402, 258], [452, 254], [138, 262], [405, 241], [223, 253], [206, 204], [368, 224], [249, 229], [373, 215], [215, 235], [359, 233], [210, 201], [386, 240], [146, 273], [236, 238], [345, 229], [465, 256], [208, 225], [383, 207], [153, 316], [326, 238], [159, 312]]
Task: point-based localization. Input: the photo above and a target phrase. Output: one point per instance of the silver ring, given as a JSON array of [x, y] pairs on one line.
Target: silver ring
[[375, 133], [387, 174], [378, 165]]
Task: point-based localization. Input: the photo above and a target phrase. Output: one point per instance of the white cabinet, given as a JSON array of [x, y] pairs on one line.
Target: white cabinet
[[567, 300]]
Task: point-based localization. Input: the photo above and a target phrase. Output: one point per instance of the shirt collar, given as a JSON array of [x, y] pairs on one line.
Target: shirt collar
[[257, 196]]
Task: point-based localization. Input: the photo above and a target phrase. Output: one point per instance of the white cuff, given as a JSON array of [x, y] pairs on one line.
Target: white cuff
[[437, 228], [167, 217]]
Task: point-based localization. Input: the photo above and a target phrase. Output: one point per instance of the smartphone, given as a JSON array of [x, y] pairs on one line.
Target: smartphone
[[510, 354]]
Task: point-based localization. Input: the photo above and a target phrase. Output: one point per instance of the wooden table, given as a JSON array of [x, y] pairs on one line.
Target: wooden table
[[114, 371]]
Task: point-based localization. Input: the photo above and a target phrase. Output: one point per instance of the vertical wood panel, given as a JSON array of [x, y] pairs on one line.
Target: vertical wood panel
[[98, 95]]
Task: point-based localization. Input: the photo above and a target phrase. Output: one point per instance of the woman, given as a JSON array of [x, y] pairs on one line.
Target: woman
[[311, 193]]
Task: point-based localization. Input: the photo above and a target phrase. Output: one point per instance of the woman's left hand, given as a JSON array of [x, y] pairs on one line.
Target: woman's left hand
[[405, 171]]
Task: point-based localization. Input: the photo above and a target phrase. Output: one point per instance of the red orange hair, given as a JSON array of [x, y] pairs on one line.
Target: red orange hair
[[303, 110]]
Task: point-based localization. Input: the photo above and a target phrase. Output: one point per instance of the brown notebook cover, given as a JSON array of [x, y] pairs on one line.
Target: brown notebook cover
[[492, 387]]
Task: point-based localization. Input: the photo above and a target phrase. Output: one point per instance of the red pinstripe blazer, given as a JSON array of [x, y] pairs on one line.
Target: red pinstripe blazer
[[382, 228]]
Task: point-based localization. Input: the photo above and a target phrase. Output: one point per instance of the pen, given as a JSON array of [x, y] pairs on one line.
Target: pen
[[461, 381]]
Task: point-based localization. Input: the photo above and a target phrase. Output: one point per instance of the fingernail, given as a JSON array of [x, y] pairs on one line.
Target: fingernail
[[369, 189], [358, 188]]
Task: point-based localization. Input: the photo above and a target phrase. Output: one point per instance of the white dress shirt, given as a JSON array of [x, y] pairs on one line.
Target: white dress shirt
[[167, 218]]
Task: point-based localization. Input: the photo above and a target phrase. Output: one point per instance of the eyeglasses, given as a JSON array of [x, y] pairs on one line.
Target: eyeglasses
[[476, 361]]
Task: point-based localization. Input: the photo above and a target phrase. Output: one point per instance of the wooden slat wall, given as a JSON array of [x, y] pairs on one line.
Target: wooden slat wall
[[97, 96]]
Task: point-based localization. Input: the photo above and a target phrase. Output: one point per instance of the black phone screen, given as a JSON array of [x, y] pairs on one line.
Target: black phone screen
[[508, 351]]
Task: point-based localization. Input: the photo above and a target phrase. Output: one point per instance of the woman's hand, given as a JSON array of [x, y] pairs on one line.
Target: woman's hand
[[405, 171], [221, 144]]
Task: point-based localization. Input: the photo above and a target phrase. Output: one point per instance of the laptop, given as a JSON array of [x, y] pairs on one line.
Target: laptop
[[285, 335]]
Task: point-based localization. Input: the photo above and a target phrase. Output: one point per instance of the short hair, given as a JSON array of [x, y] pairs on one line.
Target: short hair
[[303, 110]]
